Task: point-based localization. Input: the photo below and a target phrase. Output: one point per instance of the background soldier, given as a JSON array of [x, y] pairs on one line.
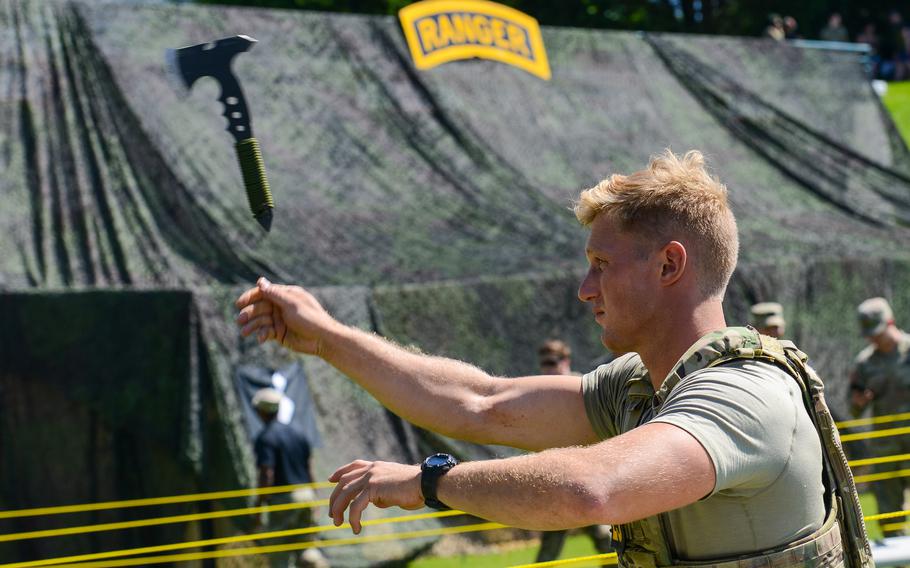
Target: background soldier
[[555, 358], [283, 458], [768, 319], [881, 377]]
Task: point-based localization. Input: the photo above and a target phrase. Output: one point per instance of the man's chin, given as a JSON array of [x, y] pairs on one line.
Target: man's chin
[[613, 344]]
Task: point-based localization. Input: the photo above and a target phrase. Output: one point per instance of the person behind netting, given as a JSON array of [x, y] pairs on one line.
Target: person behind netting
[[775, 29], [768, 319], [695, 444], [881, 378], [555, 358], [283, 458], [834, 30]]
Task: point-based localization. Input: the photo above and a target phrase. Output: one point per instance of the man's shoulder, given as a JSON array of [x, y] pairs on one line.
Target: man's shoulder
[[623, 368], [764, 374], [864, 356]]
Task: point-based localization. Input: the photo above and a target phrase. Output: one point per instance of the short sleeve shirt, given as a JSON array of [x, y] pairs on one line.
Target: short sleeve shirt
[[749, 417]]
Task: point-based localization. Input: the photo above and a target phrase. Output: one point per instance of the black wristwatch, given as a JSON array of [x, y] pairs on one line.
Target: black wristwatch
[[431, 470]]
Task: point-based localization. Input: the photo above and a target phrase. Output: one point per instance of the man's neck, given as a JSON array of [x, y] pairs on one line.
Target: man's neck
[[889, 340], [674, 337]]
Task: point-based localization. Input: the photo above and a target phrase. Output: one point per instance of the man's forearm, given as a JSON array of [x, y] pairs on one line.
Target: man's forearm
[[651, 469], [436, 393], [542, 491]]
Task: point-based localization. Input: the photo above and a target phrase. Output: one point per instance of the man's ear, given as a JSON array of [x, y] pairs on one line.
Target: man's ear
[[673, 259]]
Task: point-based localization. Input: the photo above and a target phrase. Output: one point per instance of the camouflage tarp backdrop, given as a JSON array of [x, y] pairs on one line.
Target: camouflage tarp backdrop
[[432, 207]]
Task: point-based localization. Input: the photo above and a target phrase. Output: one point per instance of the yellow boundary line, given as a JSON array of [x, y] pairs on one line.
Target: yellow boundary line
[[875, 434], [160, 521], [146, 560], [883, 516], [600, 559], [161, 500], [884, 459], [223, 540], [873, 420], [881, 476]]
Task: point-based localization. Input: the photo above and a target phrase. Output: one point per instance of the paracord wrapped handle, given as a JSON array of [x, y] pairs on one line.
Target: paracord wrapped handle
[[255, 181]]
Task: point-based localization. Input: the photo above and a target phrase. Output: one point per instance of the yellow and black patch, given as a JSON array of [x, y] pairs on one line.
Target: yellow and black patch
[[439, 31]]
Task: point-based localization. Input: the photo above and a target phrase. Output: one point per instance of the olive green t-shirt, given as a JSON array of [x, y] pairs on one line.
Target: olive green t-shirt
[[749, 417]]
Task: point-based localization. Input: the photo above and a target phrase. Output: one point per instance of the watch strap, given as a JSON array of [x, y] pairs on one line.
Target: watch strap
[[429, 479]]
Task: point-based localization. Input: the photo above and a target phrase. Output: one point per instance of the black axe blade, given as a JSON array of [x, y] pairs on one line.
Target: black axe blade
[[213, 59]]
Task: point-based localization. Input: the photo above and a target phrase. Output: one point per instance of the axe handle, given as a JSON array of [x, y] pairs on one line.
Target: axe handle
[[253, 169]]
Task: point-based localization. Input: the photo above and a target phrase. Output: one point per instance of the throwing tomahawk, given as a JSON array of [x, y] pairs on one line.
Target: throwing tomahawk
[[214, 59]]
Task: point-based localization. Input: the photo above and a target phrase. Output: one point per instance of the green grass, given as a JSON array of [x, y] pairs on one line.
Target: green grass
[[897, 100], [867, 502], [576, 545]]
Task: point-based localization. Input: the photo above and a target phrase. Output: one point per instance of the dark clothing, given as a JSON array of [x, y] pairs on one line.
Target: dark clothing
[[286, 450]]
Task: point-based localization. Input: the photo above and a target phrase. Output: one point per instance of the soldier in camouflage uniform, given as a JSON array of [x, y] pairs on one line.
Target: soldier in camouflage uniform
[[701, 444], [768, 319], [881, 378]]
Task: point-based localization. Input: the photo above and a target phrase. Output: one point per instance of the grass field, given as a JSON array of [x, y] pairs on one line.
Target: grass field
[[576, 545], [898, 102]]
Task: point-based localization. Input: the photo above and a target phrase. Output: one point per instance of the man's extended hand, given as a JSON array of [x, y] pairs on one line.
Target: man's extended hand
[[287, 314], [383, 484]]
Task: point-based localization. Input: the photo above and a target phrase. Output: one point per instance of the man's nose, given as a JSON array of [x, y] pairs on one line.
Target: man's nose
[[588, 290]]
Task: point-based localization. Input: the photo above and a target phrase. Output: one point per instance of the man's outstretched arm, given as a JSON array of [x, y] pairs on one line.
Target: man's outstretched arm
[[443, 395], [651, 469]]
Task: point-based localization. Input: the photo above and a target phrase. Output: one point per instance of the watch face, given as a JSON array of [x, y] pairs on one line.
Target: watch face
[[438, 460]]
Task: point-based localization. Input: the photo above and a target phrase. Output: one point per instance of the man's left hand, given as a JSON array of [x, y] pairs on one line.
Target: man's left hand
[[383, 484]]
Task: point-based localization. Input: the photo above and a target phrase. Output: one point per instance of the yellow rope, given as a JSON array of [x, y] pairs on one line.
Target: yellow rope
[[881, 476], [185, 557], [160, 521], [874, 420], [223, 540], [875, 434], [161, 500], [600, 559], [882, 516], [873, 461], [891, 527]]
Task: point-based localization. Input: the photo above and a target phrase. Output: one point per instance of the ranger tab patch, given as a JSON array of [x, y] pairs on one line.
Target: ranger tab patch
[[439, 31]]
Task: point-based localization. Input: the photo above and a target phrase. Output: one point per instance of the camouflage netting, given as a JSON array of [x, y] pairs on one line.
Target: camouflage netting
[[432, 207]]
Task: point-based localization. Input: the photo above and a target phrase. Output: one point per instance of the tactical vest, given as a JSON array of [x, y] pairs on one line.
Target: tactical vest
[[841, 541]]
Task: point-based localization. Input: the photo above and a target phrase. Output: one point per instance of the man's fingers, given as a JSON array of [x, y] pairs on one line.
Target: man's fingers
[[265, 334], [248, 297], [356, 510], [256, 323], [346, 468], [254, 310], [343, 496], [281, 328]]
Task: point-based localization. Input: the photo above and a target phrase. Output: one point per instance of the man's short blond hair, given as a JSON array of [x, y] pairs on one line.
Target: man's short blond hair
[[673, 199]]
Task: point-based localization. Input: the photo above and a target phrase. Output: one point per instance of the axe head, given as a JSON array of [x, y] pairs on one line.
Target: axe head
[[213, 59]]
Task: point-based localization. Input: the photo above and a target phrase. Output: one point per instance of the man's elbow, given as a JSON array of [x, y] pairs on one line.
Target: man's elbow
[[582, 504], [476, 421]]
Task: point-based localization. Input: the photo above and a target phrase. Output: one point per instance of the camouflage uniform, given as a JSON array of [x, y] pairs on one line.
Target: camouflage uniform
[[887, 375]]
